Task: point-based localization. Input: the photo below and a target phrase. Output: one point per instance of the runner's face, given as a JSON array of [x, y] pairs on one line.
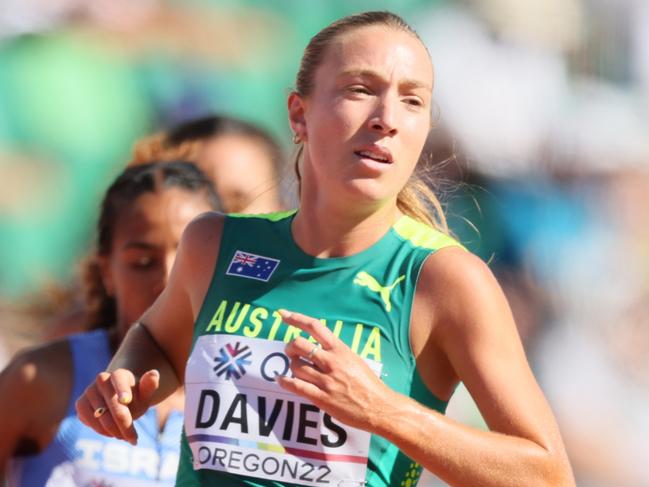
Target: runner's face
[[369, 114], [243, 174], [146, 235]]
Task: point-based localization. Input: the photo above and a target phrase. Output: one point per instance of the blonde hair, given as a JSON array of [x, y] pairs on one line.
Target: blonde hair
[[416, 199]]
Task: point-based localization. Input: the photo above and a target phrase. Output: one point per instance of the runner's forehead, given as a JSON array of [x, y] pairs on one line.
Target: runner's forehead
[[379, 50]]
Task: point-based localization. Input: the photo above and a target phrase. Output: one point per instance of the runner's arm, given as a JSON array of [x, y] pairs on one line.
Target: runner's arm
[[27, 383], [475, 330], [473, 327], [150, 362]]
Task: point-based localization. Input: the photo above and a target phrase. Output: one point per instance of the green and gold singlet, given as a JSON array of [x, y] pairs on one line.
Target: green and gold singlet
[[241, 427]]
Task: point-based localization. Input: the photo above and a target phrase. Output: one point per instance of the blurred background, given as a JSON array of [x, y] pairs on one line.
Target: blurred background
[[541, 155]]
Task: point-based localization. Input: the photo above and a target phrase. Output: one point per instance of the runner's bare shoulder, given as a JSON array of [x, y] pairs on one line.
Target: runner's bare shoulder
[[200, 244]]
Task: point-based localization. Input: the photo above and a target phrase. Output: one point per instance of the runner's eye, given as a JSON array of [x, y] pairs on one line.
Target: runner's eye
[[413, 101], [142, 262], [360, 89]]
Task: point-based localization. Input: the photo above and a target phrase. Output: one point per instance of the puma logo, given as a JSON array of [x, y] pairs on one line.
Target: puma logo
[[365, 280]]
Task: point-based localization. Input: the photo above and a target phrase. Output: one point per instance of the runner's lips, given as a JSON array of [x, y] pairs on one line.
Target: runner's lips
[[376, 153]]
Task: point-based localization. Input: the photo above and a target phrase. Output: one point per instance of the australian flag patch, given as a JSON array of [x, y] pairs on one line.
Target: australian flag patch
[[252, 266]]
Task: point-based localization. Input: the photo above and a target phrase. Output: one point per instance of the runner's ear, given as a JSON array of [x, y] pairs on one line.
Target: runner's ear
[[296, 108]]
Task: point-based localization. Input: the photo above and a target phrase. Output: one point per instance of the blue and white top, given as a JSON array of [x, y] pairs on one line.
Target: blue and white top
[[80, 457]]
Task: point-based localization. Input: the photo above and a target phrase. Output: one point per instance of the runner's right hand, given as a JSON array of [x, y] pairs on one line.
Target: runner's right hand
[[123, 399]]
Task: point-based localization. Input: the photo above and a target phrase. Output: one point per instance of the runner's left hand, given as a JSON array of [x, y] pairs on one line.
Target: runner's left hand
[[337, 381]]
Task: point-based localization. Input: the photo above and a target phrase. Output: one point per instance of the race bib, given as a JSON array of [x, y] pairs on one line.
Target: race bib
[[239, 420]]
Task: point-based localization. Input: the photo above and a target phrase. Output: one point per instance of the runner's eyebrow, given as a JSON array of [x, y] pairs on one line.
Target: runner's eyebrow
[[372, 74], [138, 245]]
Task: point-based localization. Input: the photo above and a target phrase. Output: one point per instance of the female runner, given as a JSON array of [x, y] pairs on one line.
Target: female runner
[[386, 313], [42, 441]]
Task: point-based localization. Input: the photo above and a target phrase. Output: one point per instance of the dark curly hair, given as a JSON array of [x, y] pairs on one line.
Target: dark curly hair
[[125, 189]]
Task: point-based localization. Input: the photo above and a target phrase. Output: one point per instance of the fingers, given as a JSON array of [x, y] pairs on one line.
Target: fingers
[[313, 327], [301, 388], [113, 396], [308, 373], [301, 349], [110, 404], [122, 382], [99, 409], [86, 413], [149, 383]]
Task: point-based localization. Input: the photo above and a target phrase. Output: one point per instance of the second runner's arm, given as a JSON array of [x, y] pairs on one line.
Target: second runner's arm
[[150, 363]]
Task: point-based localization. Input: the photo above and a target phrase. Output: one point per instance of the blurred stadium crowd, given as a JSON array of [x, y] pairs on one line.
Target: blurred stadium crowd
[[540, 152]]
